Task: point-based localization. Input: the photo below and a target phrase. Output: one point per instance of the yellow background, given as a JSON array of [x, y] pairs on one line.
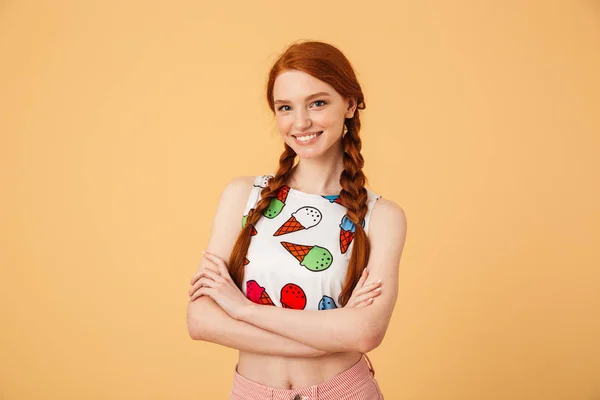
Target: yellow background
[[122, 121]]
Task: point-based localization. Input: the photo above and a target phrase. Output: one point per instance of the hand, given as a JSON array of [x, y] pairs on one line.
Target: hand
[[204, 265], [219, 286], [362, 295]]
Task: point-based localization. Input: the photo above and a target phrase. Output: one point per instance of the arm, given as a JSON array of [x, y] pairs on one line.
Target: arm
[[205, 319], [240, 335], [347, 329]]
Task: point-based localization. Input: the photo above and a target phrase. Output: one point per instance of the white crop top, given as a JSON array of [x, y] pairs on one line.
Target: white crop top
[[300, 249]]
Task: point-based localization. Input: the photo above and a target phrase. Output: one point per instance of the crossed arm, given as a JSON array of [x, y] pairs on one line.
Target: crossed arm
[[208, 322], [279, 331]]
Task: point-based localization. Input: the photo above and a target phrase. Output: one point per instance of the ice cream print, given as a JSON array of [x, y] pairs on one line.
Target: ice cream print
[[292, 296], [302, 218], [335, 198], [277, 203], [244, 218], [257, 293], [327, 303], [347, 229], [314, 258]]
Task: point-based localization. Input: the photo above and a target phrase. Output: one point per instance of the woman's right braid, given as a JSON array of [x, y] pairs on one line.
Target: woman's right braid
[[267, 194]]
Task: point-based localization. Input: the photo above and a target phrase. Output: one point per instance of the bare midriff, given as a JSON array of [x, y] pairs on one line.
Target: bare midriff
[[293, 372]]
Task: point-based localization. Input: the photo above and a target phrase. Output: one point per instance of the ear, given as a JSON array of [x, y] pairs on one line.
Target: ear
[[351, 108]]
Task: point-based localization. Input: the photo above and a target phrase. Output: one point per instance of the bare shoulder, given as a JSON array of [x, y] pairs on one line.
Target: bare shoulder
[[385, 209], [227, 221], [388, 220], [240, 186], [236, 193]]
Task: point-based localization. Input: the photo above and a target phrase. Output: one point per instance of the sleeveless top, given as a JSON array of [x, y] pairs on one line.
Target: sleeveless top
[[300, 249]]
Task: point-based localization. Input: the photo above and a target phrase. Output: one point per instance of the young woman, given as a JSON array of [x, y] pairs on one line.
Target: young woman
[[304, 293]]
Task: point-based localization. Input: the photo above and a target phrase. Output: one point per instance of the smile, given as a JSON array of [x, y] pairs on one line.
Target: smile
[[307, 139]]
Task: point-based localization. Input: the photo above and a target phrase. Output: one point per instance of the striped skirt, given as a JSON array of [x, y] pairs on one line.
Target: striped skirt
[[356, 383]]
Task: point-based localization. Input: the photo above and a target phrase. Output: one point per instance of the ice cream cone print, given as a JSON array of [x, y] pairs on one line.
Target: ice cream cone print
[[283, 193], [345, 240], [347, 229], [292, 296], [265, 299], [303, 218], [327, 303], [244, 219], [257, 293], [314, 258], [278, 203], [335, 198], [297, 250]]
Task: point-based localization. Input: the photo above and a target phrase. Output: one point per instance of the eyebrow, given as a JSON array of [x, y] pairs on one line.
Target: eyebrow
[[308, 98]]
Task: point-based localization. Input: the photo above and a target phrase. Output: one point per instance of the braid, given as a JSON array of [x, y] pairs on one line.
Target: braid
[[354, 197], [268, 193]]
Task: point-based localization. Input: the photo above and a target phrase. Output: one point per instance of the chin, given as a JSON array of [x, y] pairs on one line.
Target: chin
[[304, 152], [308, 154]]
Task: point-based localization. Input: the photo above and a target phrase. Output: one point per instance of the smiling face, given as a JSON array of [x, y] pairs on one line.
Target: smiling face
[[309, 112]]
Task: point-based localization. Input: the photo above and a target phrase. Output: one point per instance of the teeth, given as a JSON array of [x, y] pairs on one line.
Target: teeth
[[306, 138]]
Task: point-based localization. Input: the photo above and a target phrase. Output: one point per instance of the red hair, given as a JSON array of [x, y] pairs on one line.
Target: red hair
[[326, 63]]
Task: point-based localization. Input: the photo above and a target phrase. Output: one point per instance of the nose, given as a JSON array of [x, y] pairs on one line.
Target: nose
[[301, 121]]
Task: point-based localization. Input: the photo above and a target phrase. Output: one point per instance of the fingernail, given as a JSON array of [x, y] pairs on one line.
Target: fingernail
[[378, 281], [203, 252]]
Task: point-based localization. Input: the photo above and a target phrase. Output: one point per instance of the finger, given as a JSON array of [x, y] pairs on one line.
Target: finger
[[214, 276], [367, 288], [204, 280], [360, 282], [221, 266], [365, 303], [364, 293], [218, 261], [203, 283], [201, 269], [367, 296], [201, 273], [363, 278], [203, 291]]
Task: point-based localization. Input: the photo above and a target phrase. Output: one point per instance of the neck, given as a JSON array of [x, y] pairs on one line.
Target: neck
[[320, 175]]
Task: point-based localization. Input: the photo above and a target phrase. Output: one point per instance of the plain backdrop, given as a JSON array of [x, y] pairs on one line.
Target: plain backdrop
[[122, 121]]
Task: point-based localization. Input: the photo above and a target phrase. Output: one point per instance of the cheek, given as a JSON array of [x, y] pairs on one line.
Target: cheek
[[328, 120], [284, 125]]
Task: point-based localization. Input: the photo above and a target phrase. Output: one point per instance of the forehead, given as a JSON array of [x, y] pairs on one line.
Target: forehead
[[291, 85]]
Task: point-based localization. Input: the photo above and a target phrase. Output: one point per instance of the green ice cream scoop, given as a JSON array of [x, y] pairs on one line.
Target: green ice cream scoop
[[274, 208], [317, 259]]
